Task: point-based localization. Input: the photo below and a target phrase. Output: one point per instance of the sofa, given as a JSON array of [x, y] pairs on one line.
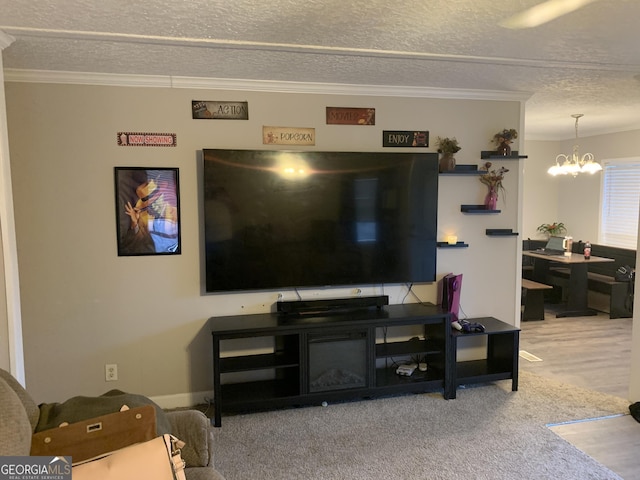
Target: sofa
[[19, 417]]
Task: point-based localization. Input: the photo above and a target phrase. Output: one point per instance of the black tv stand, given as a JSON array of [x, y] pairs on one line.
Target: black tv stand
[[336, 305], [287, 356], [361, 346]]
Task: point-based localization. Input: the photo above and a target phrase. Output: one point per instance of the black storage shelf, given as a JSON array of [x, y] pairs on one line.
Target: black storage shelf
[[432, 379], [410, 347], [480, 371], [500, 362], [243, 395], [258, 362], [481, 209], [455, 245]]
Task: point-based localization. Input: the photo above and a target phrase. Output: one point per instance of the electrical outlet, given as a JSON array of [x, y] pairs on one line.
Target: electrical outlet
[[111, 372]]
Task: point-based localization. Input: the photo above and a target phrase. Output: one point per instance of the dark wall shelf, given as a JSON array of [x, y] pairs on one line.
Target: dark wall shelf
[[481, 209], [464, 170], [455, 245], [501, 232], [493, 155], [477, 209]]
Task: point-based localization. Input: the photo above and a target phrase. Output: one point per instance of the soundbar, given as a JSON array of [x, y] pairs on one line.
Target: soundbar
[[303, 307]]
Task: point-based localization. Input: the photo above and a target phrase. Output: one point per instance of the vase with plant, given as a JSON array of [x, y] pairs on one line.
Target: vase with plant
[[493, 180], [447, 147], [549, 229], [503, 140]]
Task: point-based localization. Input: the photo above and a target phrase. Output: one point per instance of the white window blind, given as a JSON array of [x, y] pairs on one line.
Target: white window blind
[[620, 204]]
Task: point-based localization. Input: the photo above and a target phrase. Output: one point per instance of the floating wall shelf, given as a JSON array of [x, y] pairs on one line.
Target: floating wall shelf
[[464, 170], [455, 245], [501, 232], [494, 155], [477, 209]]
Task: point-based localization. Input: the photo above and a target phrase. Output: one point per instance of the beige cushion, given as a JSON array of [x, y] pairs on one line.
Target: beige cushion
[[15, 428], [33, 412]]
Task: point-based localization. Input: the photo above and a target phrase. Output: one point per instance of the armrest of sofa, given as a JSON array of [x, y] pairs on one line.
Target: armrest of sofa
[[15, 429], [33, 412], [194, 429]]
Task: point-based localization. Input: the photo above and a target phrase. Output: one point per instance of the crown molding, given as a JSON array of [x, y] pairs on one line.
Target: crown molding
[[85, 78], [5, 40], [199, 42], [109, 79], [345, 89]]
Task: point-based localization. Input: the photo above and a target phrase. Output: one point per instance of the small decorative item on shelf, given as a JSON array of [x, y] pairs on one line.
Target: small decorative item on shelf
[[503, 141], [493, 180], [549, 229], [447, 147]]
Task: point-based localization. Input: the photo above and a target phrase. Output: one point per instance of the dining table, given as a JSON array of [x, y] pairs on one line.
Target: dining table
[[578, 286]]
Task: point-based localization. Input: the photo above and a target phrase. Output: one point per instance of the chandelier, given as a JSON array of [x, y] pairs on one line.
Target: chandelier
[[575, 164]]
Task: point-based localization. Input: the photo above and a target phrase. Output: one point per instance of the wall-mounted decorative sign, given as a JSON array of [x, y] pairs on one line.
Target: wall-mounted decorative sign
[[147, 211], [288, 136], [131, 139], [201, 109], [396, 138], [351, 116]]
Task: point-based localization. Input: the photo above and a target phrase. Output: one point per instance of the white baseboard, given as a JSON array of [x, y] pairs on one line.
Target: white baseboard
[[180, 400]]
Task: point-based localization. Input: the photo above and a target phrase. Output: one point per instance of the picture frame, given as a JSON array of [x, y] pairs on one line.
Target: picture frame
[[147, 204]]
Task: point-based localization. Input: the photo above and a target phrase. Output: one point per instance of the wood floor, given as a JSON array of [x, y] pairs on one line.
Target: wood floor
[[593, 353], [614, 442]]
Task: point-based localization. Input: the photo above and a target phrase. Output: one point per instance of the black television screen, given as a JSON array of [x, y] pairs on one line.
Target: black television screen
[[282, 219]]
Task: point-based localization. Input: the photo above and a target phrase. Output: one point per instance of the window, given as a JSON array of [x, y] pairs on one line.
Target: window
[[620, 203]]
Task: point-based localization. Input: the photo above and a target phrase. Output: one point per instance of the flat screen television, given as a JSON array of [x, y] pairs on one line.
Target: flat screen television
[[286, 219]]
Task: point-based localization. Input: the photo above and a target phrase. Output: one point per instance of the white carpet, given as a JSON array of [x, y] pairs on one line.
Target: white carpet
[[488, 432]]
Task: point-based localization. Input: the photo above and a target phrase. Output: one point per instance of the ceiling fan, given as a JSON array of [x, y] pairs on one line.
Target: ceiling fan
[[543, 13]]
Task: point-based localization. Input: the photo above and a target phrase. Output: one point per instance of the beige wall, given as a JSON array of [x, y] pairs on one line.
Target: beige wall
[[574, 201], [83, 306], [540, 193]]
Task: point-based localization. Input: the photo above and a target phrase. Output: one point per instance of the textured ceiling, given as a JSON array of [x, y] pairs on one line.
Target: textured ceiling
[[584, 62]]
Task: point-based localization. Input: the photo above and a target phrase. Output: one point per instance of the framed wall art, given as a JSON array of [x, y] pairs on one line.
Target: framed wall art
[[147, 211]]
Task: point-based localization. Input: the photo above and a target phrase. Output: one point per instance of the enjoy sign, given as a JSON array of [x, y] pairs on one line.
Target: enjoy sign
[[396, 138]]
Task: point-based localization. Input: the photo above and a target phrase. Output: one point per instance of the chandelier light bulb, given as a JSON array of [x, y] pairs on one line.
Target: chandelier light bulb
[[575, 164]]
